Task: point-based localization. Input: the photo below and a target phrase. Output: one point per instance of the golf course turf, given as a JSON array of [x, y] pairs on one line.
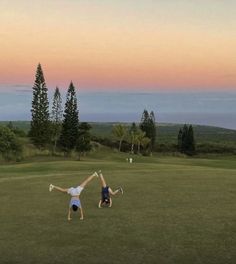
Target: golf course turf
[[174, 210]]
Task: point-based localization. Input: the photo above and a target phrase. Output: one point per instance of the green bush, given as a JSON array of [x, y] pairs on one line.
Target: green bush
[[10, 146], [218, 148]]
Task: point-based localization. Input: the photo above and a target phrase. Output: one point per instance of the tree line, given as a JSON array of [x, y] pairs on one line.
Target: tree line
[[186, 140], [57, 129], [60, 130], [141, 137], [63, 130]]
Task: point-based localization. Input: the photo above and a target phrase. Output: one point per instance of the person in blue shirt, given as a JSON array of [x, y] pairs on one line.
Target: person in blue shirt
[[106, 191], [75, 195]]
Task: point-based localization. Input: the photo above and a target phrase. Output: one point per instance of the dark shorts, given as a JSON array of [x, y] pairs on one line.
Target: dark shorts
[[105, 195]]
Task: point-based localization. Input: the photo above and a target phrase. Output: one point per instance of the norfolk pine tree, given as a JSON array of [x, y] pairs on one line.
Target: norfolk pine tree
[[184, 145], [144, 124], [153, 132], [191, 141], [180, 134], [186, 141], [40, 124], [56, 118], [70, 124], [148, 125]]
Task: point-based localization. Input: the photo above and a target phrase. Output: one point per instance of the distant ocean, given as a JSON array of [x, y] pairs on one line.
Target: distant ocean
[[204, 108]]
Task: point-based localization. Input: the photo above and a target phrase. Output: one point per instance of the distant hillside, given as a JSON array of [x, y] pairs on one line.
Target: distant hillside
[[165, 132], [24, 125]]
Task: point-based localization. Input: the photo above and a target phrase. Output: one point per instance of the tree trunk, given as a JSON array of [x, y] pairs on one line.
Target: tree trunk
[[132, 148], [138, 148], [54, 147], [120, 145]]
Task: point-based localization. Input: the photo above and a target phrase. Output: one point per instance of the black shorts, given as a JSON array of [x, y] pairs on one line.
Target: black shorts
[[105, 195]]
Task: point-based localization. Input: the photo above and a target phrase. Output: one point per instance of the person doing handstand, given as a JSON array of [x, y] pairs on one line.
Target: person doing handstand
[[75, 195], [106, 191]]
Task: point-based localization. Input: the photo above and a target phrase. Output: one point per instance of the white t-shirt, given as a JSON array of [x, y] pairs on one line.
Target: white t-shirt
[[75, 191]]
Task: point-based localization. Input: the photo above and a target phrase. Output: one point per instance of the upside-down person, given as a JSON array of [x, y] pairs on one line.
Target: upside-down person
[[75, 195], [106, 200]]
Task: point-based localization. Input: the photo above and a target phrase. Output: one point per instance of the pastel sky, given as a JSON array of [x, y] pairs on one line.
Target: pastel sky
[[120, 44]]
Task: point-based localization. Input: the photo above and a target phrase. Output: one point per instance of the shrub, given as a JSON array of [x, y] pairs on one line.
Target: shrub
[[10, 146], [218, 148]]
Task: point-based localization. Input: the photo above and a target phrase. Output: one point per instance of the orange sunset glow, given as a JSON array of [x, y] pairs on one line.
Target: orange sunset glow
[[119, 45]]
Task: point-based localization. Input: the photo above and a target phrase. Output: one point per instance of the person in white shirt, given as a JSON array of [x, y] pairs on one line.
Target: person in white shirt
[[75, 195]]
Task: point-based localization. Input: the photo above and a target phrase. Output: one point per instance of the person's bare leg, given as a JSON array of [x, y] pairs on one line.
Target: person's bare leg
[[113, 192], [85, 182], [60, 189], [81, 214], [99, 204], [110, 205], [103, 182]]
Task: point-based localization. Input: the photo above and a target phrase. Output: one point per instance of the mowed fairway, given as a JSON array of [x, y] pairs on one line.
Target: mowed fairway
[[174, 210]]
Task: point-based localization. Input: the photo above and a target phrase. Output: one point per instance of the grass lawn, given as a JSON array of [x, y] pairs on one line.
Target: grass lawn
[[174, 210]]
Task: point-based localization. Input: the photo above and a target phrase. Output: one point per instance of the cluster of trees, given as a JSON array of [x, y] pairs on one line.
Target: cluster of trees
[[61, 130], [186, 141], [140, 137], [10, 146], [57, 129]]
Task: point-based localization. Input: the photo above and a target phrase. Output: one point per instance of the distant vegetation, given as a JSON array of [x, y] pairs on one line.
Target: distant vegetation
[[166, 133], [210, 140], [186, 141], [60, 133]]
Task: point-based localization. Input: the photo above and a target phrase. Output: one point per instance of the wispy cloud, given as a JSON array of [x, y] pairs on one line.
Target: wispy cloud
[[11, 88], [24, 90]]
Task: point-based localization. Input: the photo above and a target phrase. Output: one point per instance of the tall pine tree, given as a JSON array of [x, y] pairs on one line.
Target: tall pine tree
[[70, 125], [191, 141], [153, 132], [56, 118], [40, 124], [148, 125], [184, 145], [144, 124], [180, 140], [186, 141]]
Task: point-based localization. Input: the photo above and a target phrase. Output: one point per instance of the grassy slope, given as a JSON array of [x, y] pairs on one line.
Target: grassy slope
[[167, 133], [174, 210]]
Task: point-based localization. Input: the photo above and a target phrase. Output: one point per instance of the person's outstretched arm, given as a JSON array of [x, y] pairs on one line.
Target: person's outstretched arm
[[81, 213], [110, 205]]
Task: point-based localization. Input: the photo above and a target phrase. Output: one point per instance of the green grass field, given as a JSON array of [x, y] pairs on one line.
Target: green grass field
[[174, 210]]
